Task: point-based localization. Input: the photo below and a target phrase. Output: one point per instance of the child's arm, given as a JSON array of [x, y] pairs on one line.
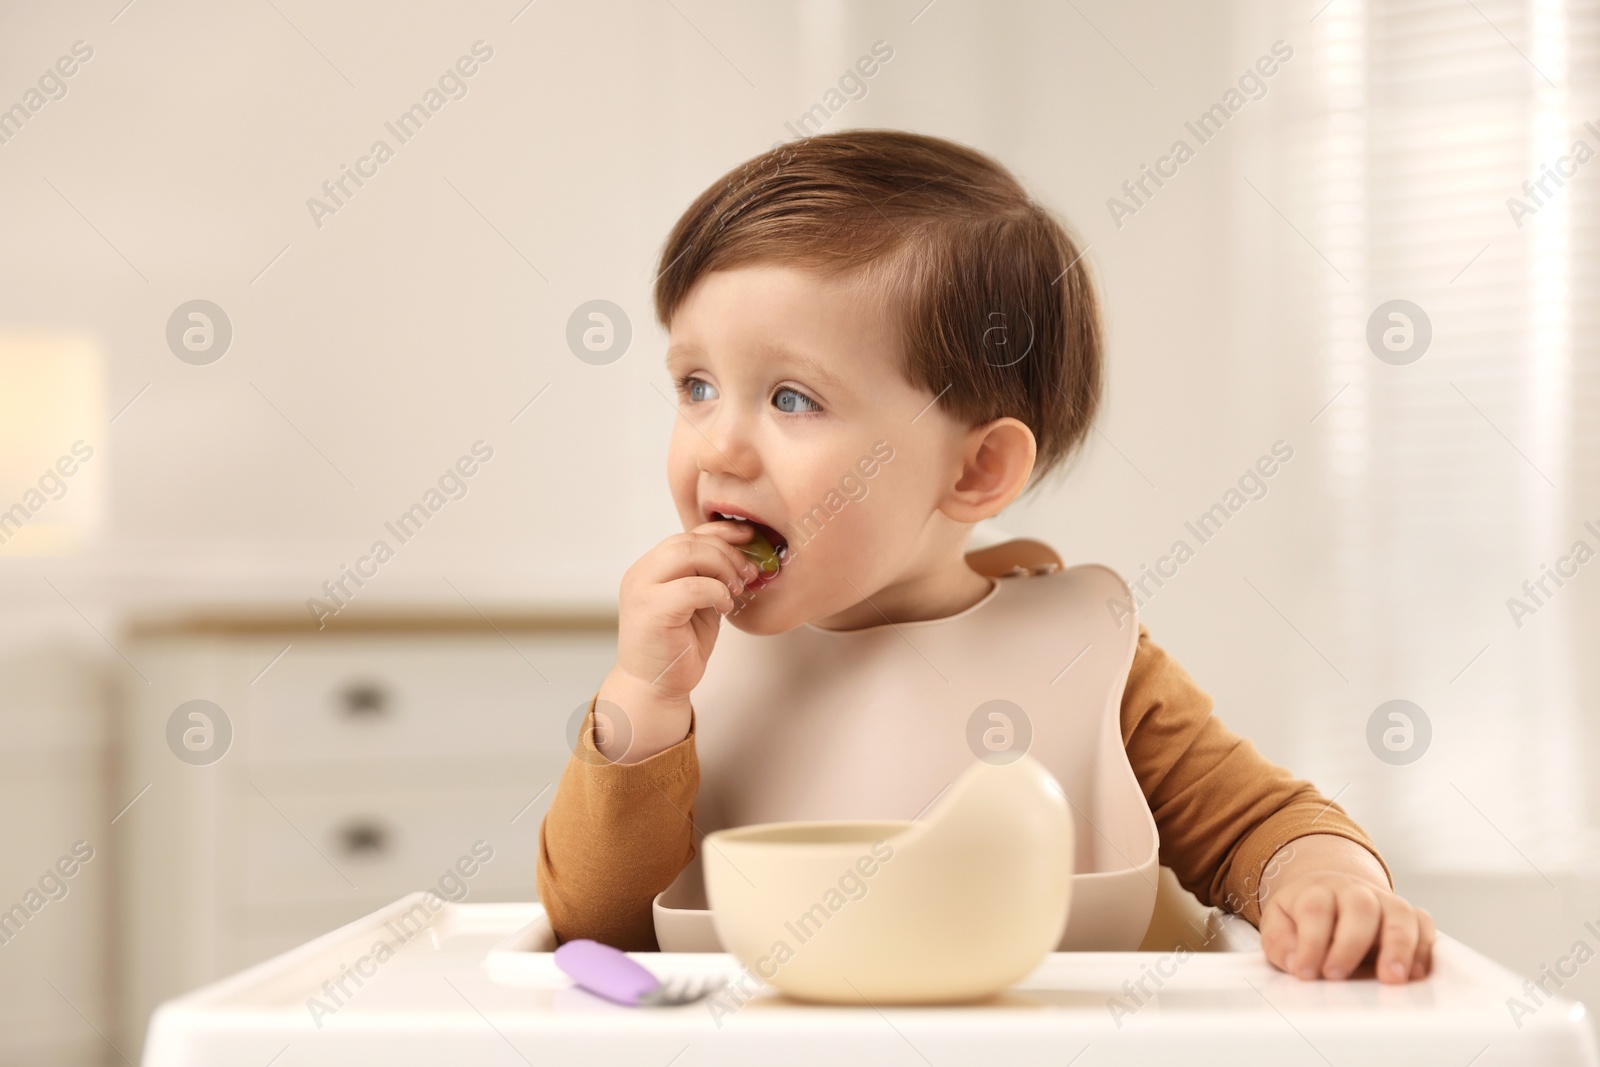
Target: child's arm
[[1225, 814], [1222, 809], [616, 835]]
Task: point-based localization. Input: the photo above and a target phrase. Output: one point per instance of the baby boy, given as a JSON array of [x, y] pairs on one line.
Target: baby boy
[[879, 340]]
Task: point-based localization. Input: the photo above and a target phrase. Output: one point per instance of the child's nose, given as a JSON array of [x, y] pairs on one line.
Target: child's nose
[[727, 445]]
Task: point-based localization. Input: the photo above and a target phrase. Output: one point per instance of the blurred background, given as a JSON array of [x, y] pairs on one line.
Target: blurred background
[[228, 369]]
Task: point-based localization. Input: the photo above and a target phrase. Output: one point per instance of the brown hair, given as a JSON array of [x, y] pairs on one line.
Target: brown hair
[[998, 314]]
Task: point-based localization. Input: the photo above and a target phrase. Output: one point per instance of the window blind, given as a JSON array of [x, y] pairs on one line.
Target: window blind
[[1455, 478]]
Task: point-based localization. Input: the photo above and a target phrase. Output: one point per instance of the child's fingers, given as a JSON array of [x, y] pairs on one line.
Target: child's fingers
[[680, 599], [735, 532], [705, 624], [1359, 916], [685, 556], [731, 536], [1398, 944], [1422, 963], [1277, 937], [1313, 912], [726, 532], [728, 536]]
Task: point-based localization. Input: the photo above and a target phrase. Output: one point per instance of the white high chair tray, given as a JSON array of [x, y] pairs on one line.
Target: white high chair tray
[[466, 990]]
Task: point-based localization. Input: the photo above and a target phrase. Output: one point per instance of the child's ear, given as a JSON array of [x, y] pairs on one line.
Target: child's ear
[[995, 463]]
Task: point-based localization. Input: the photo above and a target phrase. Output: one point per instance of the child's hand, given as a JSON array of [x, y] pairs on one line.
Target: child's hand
[[1323, 914], [670, 607]]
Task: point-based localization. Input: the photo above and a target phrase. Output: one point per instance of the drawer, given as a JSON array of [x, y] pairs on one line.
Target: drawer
[[365, 699], [327, 848]]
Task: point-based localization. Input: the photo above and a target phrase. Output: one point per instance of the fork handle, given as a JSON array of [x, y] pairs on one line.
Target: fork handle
[[606, 971]]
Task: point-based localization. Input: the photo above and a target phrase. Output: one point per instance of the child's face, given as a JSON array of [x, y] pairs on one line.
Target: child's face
[[766, 434]]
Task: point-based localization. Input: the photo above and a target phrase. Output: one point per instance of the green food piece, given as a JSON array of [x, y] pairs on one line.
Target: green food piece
[[760, 552]]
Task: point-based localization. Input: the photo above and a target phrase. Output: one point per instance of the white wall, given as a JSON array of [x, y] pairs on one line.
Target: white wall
[[407, 327]]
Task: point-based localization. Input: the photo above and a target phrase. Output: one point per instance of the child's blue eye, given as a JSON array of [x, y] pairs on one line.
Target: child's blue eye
[[789, 406], [689, 384]]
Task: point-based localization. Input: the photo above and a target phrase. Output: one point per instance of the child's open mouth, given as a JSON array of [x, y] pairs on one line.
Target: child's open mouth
[[767, 548]]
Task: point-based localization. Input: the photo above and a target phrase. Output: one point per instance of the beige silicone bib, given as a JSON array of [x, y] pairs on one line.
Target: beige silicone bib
[[875, 724]]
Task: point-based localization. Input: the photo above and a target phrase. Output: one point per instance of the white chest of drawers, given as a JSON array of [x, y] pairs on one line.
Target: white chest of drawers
[[54, 755], [366, 761]]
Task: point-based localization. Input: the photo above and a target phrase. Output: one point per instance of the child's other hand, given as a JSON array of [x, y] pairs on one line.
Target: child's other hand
[[1320, 921], [669, 610]]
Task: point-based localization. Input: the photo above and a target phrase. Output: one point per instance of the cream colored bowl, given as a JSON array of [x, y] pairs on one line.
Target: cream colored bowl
[[951, 908]]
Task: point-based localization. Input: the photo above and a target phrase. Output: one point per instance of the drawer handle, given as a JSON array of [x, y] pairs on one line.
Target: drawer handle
[[363, 839], [364, 699]]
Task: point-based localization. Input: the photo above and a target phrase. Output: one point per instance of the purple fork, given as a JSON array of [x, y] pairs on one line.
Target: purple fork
[[609, 973]]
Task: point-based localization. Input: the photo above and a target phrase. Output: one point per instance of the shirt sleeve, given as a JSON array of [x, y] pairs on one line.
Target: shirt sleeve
[[615, 835], [1222, 810]]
